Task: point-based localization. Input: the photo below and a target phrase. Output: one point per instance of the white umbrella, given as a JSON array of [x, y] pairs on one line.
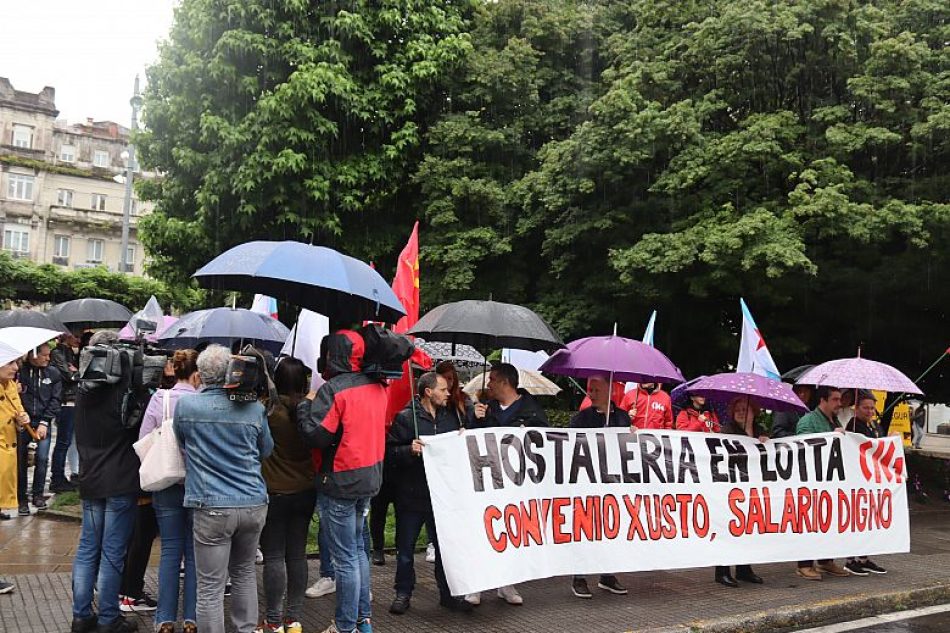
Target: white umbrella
[[531, 381], [17, 341]]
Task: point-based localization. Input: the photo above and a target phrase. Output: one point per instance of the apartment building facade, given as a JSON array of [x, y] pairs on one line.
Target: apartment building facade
[[62, 191]]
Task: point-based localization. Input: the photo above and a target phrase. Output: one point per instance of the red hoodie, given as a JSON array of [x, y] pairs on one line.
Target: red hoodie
[[649, 410], [689, 419]]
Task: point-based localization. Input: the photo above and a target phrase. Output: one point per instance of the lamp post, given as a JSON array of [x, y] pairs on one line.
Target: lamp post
[[130, 166]]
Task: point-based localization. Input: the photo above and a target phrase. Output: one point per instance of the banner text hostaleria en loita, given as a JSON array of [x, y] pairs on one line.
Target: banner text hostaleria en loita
[[534, 503]]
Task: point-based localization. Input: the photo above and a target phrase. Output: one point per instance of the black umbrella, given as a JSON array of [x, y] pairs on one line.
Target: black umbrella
[[792, 375], [30, 318], [225, 326], [488, 325], [91, 313]]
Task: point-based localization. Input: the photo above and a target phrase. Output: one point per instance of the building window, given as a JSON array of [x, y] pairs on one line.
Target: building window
[[99, 201], [67, 154], [94, 250], [16, 240], [101, 158], [64, 198], [23, 136], [130, 260], [61, 246], [20, 187]]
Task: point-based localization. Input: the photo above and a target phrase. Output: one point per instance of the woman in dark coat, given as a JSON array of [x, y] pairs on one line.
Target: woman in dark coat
[[741, 420]]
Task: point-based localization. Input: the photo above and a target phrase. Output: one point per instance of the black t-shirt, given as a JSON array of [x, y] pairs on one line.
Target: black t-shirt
[[591, 418]]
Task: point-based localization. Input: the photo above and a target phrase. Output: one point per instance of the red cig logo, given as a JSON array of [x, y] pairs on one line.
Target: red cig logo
[[878, 463]]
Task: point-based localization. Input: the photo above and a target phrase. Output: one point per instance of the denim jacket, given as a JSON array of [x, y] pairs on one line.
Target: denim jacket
[[224, 443]]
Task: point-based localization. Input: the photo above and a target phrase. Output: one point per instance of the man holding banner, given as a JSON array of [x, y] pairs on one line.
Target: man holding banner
[[404, 446], [823, 419], [593, 417]]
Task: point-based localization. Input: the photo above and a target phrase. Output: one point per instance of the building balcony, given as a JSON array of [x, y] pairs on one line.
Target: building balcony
[[23, 152], [94, 217]]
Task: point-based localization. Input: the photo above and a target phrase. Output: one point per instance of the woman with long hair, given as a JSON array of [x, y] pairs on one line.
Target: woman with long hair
[[289, 476], [459, 405], [174, 519]]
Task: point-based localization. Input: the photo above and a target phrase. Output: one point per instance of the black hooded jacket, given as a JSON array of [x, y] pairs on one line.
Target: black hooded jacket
[[525, 411]]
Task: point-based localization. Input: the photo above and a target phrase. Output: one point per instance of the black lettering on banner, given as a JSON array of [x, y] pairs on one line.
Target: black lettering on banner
[[627, 455], [687, 462], [817, 443], [668, 457], [716, 459], [559, 438], [534, 439], [738, 465], [479, 461], [835, 461], [767, 473], [509, 442], [649, 458], [802, 466], [581, 459], [784, 469], [606, 477]]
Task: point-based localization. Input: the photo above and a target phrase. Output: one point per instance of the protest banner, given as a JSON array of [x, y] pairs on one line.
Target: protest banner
[[516, 504]]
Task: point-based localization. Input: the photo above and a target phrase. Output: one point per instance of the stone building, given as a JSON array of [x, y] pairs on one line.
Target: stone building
[[62, 191]]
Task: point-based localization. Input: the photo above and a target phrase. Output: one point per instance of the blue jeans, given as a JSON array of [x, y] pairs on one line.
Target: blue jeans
[[175, 527], [39, 468], [106, 528], [345, 522], [323, 543], [64, 437]]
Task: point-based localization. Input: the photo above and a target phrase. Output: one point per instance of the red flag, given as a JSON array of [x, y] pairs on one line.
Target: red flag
[[406, 287], [406, 281]]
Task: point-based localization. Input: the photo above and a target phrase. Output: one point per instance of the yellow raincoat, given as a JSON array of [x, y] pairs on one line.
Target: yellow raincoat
[[10, 407]]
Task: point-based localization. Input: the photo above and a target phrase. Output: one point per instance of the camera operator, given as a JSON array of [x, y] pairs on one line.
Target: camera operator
[[108, 486], [42, 391], [65, 358]]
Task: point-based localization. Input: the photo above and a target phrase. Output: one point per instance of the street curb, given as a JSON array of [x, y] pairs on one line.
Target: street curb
[[57, 515], [818, 614]]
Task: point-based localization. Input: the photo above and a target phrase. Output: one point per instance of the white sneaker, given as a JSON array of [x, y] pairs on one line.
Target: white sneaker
[[324, 586], [509, 594], [332, 628], [474, 599], [259, 557], [430, 553]]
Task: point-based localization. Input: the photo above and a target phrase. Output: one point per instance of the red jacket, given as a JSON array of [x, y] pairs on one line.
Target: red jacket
[[689, 419], [649, 410], [345, 424]]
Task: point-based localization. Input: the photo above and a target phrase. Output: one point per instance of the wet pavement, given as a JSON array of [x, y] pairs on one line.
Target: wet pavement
[[35, 554], [927, 624]]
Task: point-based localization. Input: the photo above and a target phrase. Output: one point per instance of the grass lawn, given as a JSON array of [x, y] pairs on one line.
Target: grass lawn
[[62, 499], [390, 534]]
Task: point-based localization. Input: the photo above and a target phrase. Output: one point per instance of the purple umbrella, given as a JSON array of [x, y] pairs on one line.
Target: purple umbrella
[[858, 373], [765, 392], [624, 358]]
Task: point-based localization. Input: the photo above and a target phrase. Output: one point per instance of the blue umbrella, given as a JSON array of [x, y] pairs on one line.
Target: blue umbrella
[[314, 277], [225, 326]]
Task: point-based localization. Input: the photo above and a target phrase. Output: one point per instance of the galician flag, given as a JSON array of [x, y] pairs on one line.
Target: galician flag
[[648, 334], [265, 305], [754, 355]]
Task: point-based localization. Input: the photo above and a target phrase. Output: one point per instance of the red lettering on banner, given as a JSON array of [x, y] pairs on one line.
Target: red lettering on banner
[[804, 507], [531, 524], [684, 501], [633, 510], [557, 520], [584, 518], [701, 529], [669, 529], [790, 514], [824, 511], [513, 524], [611, 517], [737, 525], [499, 543]]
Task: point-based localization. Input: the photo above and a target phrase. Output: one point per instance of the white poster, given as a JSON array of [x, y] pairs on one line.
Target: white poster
[[516, 504]]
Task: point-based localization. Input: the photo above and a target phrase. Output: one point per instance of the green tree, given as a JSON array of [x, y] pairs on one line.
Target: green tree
[[294, 120]]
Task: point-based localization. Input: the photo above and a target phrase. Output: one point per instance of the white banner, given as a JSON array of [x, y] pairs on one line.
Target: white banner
[[516, 504]]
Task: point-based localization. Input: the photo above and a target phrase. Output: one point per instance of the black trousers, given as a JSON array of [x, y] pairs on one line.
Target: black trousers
[[379, 509], [408, 527], [140, 549]]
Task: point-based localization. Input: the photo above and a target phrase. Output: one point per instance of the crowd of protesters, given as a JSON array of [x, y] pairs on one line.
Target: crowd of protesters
[[259, 471]]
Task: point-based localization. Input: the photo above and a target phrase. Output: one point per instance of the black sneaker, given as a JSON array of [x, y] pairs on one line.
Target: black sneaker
[[458, 605], [379, 558], [871, 567], [610, 583], [400, 604], [6, 587], [24, 510], [119, 625], [84, 625], [227, 589], [855, 568], [579, 588], [39, 502]]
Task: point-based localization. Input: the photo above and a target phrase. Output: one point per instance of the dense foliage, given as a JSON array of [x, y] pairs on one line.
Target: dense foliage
[[24, 281], [595, 160]]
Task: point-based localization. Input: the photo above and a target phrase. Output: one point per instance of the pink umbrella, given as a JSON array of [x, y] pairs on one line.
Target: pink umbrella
[[128, 334], [858, 373]]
